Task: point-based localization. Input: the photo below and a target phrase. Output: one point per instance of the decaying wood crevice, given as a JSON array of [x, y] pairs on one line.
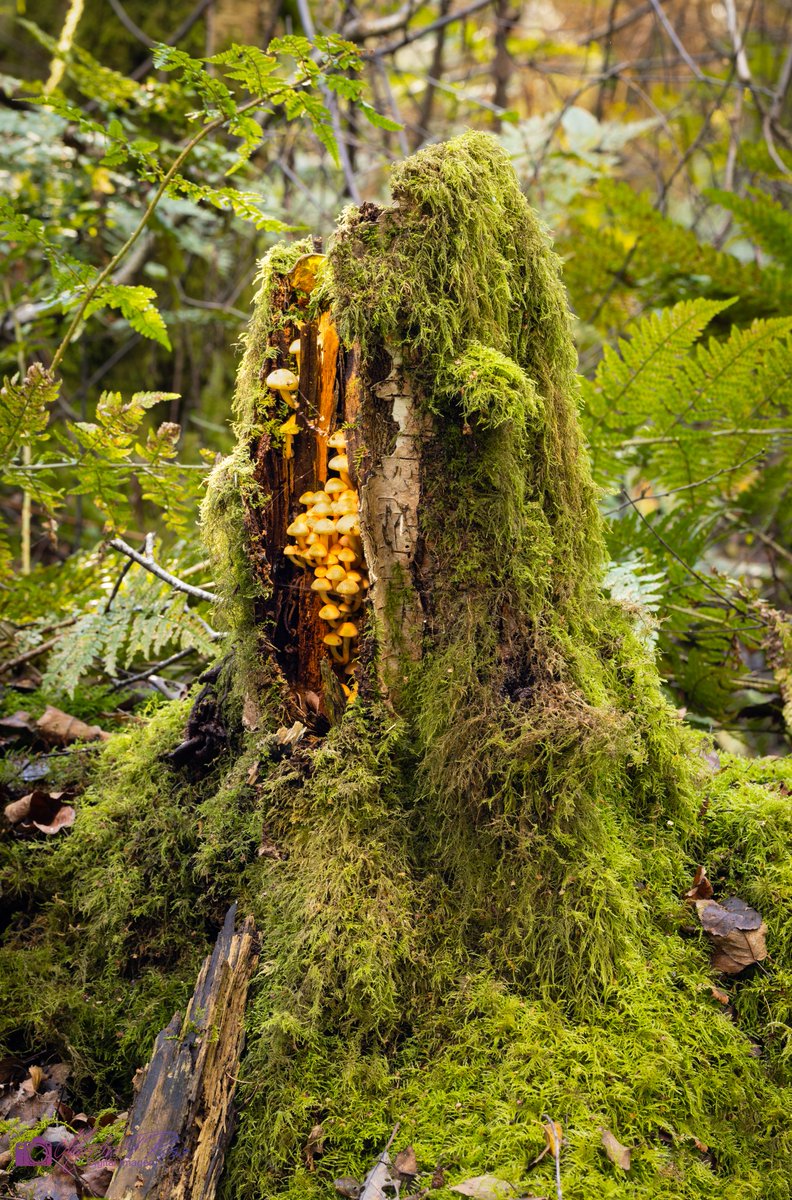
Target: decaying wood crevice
[[373, 403], [182, 1118]]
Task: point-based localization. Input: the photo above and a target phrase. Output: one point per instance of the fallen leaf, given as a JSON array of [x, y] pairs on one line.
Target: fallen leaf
[[619, 1155], [36, 1076], [23, 1104], [63, 819], [58, 726], [719, 995], [19, 722], [57, 1184], [737, 933], [702, 888], [438, 1178], [96, 1177], [485, 1187], [405, 1163], [17, 810], [253, 771], [314, 1147], [347, 1186]]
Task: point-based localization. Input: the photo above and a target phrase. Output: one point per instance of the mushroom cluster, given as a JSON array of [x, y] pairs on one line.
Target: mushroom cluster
[[326, 541]]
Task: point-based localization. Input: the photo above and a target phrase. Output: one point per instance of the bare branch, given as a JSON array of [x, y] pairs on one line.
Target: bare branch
[[148, 563]]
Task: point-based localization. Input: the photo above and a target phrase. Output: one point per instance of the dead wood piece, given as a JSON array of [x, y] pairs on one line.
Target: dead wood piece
[[182, 1118]]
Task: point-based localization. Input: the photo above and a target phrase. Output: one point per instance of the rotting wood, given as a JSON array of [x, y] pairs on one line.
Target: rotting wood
[[182, 1118]]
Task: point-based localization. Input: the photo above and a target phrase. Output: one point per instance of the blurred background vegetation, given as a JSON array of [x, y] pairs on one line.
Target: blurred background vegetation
[[654, 139]]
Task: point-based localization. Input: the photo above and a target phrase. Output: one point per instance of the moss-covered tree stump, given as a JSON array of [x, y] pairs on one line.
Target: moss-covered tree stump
[[467, 868]]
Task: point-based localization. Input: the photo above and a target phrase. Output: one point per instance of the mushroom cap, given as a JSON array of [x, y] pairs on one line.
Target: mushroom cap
[[347, 630], [339, 462], [355, 576], [283, 380], [307, 498], [292, 551], [321, 509], [321, 497], [346, 555], [321, 585], [336, 572], [295, 347], [337, 440], [348, 523], [334, 486], [324, 525], [290, 427], [320, 572], [329, 612], [331, 639], [317, 550], [347, 587], [299, 527]]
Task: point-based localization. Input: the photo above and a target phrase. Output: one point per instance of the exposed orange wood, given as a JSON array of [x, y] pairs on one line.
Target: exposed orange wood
[[327, 391]]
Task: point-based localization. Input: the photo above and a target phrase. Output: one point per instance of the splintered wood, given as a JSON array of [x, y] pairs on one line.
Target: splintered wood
[[182, 1119]]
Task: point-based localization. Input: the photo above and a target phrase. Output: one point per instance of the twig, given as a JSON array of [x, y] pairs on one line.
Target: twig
[[556, 1148], [687, 486], [153, 668], [458, 15], [670, 549], [177, 584]]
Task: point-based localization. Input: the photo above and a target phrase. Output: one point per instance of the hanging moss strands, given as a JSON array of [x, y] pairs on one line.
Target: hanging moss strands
[[469, 881]]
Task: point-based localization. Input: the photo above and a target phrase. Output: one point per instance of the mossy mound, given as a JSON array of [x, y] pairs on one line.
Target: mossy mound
[[470, 909]]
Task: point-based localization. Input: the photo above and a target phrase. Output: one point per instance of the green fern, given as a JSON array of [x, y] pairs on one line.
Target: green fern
[[763, 218]]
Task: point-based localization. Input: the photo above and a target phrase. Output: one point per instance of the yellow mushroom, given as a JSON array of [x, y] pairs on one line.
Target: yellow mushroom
[[286, 383], [289, 429], [295, 350], [329, 612], [347, 632], [335, 644], [337, 440], [321, 585]]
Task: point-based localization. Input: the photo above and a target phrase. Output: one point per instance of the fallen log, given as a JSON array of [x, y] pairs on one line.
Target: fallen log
[[182, 1118]]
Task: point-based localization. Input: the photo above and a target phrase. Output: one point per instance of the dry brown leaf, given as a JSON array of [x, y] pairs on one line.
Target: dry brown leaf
[[405, 1162], [619, 1155], [58, 726], [314, 1147], [347, 1186], [737, 933], [702, 888], [719, 995], [36, 1076], [64, 818], [17, 810]]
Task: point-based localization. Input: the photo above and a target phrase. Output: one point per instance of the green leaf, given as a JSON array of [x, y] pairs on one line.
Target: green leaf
[[377, 119]]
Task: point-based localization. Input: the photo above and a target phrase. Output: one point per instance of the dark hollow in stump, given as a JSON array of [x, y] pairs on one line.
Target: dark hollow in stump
[[182, 1118]]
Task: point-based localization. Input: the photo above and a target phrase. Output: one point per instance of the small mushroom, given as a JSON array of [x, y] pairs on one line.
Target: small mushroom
[[299, 529], [335, 644], [286, 383], [340, 463], [329, 612], [333, 487], [347, 587], [289, 429], [321, 585], [337, 440], [295, 350], [347, 632]]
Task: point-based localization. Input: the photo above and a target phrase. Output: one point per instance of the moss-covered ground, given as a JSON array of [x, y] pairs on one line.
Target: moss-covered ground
[[470, 907]]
